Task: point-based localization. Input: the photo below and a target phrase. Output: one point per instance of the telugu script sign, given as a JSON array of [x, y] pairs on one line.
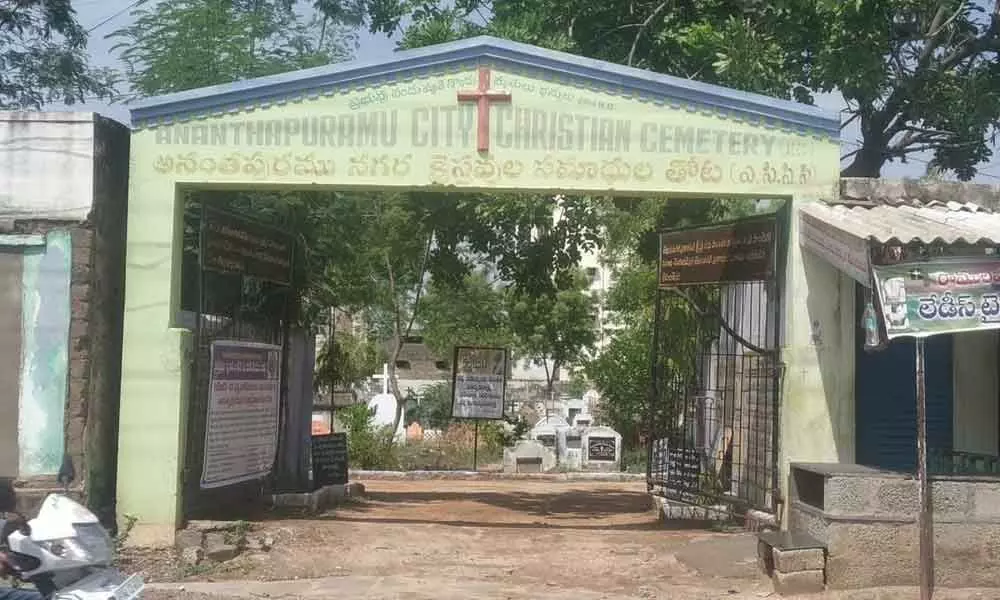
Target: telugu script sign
[[493, 130], [329, 459], [233, 244], [241, 433], [602, 449], [947, 295], [740, 251], [479, 383]]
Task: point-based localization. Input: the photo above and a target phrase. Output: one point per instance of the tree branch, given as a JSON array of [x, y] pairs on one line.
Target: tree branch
[[420, 283], [642, 29]]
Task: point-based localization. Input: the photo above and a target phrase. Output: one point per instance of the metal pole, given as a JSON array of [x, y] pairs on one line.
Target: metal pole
[[924, 524], [475, 449], [654, 387]]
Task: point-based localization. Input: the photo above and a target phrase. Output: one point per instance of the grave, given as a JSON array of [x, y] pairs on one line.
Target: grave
[[601, 449], [528, 456]]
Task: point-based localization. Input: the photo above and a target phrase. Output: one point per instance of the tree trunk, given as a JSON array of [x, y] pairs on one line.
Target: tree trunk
[[867, 162]]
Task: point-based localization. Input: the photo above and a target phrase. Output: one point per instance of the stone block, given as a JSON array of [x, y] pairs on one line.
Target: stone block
[[192, 556], [847, 495], [896, 497], [189, 538], [800, 582], [789, 561], [221, 553], [951, 499], [804, 520], [986, 501], [861, 555]]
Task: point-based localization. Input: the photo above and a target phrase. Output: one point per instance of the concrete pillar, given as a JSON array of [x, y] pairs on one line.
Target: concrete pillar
[[817, 348], [155, 364]]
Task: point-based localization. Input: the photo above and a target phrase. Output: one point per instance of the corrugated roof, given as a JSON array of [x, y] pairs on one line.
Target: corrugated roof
[[908, 220]]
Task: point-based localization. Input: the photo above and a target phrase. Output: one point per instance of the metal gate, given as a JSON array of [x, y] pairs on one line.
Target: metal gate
[[713, 418], [229, 303]]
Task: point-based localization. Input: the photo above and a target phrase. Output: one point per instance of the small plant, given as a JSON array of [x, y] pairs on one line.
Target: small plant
[[236, 535]]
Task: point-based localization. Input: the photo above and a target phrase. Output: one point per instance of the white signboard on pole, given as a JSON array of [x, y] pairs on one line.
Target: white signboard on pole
[[241, 430], [479, 383]]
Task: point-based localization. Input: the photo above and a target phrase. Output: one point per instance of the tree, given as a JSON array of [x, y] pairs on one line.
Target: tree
[[473, 313], [431, 407], [345, 361], [185, 44], [918, 75], [43, 57], [554, 330]]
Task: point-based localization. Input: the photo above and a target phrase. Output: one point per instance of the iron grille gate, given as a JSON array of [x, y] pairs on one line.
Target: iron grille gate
[[713, 418], [233, 307]]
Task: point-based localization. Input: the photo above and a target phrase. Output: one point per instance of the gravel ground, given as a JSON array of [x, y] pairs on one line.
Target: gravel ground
[[478, 539]]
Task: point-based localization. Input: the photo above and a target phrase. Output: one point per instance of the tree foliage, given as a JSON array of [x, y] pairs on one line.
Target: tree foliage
[[917, 75], [43, 57], [184, 44], [346, 361]]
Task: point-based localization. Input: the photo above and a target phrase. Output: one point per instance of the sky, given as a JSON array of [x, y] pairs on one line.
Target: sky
[[105, 16]]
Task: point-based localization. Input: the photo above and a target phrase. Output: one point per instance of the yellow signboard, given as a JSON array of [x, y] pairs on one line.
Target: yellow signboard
[[492, 130]]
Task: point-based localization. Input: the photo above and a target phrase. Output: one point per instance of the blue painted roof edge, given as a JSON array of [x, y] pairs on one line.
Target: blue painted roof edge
[[630, 81]]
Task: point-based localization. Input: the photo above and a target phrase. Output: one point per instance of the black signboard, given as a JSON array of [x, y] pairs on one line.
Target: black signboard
[[601, 448], [739, 251], [329, 459], [684, 468], [232, 244]]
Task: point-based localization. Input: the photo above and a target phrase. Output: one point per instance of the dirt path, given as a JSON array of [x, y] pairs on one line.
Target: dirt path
[[499, 539]]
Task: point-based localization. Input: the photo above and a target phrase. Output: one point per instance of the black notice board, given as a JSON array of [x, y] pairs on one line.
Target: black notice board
[[601, 448], [329, 459], [684, 467]]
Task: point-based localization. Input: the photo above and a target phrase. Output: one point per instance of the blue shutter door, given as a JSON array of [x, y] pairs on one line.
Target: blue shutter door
[[885, 397]]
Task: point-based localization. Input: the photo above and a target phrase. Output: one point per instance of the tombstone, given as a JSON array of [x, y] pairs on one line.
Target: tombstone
[[528, 456], [551, 432], [602, 449]]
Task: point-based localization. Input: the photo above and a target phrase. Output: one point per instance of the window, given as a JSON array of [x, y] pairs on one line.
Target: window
[[403, 364], [442, 365]]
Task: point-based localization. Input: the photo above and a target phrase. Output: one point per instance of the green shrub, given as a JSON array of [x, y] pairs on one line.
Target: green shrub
[[369, 446]]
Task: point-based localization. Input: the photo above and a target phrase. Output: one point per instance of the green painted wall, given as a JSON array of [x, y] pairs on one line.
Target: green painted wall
[[410, 135], [45, 324]]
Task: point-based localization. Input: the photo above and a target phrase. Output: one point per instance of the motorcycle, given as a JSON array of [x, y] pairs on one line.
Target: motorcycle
[[66, 554]]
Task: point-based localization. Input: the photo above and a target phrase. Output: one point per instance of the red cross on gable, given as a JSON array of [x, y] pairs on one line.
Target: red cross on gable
[[483, 97]]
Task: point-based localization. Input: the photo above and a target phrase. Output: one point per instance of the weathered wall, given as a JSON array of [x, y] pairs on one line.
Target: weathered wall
[[10, 357], [72, 291], [977, 397], [43, 406], [817, 404], [867, 519], [106, 308], [46, 165]]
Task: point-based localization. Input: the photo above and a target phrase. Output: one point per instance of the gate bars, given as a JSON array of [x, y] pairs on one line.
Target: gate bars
[[713, 416]]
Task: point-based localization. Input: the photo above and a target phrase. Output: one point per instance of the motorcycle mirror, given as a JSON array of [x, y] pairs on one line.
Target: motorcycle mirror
[[67, 473]]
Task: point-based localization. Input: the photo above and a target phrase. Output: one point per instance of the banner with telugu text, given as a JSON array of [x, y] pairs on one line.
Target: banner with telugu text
[[941, 296]]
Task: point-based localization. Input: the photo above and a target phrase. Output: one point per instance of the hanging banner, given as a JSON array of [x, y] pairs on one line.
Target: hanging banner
[[479, 386], [241, 431], [946, 295], [739, 251]]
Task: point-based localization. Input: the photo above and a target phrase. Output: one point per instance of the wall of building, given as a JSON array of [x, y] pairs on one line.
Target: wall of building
[[818, 335], [71, 287], [10, 358], [977, 392], [46, 165], [43, 406]]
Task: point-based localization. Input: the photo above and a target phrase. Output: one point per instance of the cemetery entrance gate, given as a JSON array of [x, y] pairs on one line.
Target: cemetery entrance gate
[[476, 115], [713, 418], [237, 288]]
